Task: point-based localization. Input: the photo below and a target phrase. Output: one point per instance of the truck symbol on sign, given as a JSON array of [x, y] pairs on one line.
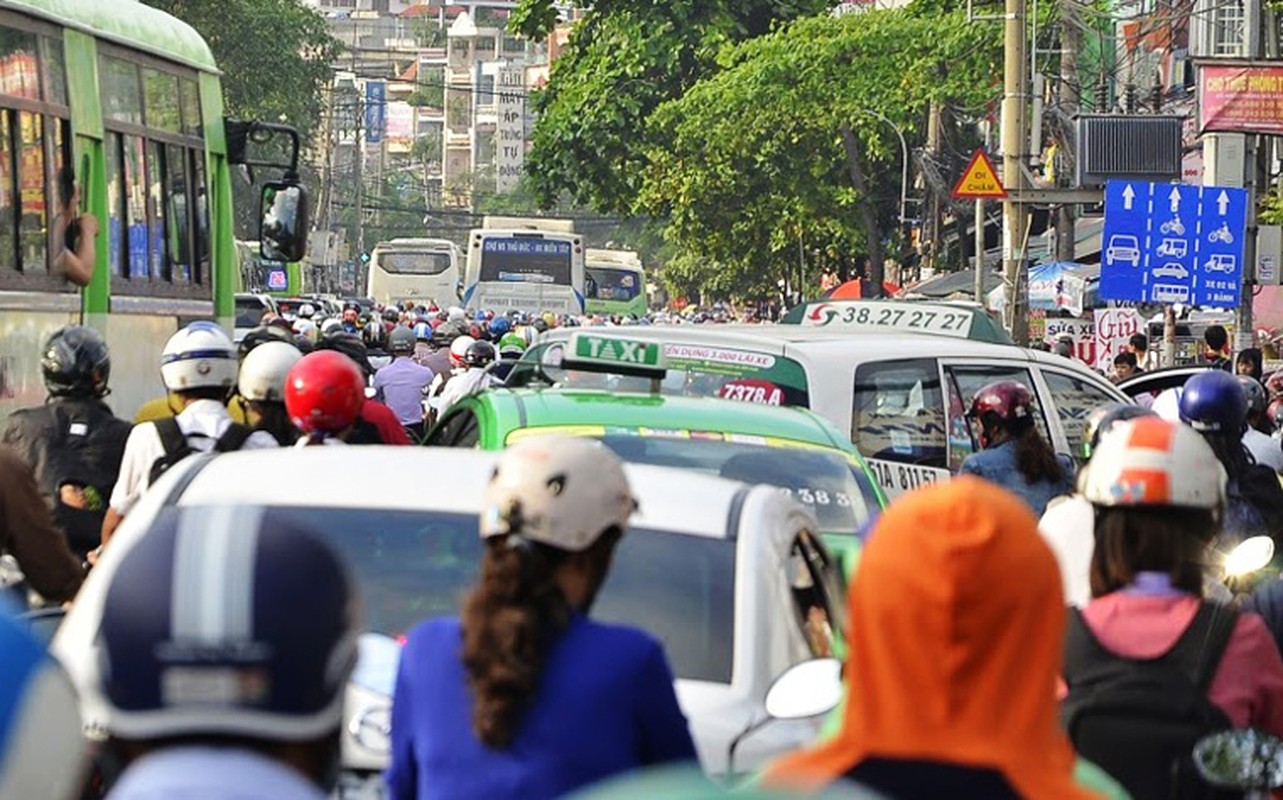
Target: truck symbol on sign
[[1123, 247], [1220, 262], [1176, 248]]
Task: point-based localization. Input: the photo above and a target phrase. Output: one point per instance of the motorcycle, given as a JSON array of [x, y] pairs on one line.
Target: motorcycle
[[1246, 761]]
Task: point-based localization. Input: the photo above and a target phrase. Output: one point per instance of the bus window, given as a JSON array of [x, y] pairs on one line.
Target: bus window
[[136, 210], [55, 71], [611, 284], [415, 263], [515, 259], [20, 77], [201, 211], [189, 105], [116, 204], [161, 100], [8, 240], [122, 98], [33, 181], [156, 211], [176, 214]]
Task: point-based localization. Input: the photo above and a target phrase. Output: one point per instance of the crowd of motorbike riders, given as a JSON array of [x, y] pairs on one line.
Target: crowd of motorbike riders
[[1035, 628]]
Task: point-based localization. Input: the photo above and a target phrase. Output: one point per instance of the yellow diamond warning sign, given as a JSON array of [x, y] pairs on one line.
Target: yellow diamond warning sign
[[979, 180]]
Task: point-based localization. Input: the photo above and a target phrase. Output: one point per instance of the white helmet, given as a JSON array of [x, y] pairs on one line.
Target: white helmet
[[307, 329], [459, 348], [331, 326], [307, 311], [263, 372], [1168, 404], [456, 314], [197, 357], [1149, 461], [560, 491]]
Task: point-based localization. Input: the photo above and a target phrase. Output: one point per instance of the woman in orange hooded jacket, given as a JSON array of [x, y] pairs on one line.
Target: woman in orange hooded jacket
[[956, 631]]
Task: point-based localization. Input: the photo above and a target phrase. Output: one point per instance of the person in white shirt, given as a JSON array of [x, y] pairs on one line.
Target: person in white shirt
[[198, 368], [478, 358], [1146, 359], [1265, 449]]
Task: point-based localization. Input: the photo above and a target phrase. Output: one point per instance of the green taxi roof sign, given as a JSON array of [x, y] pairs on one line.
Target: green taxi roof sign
[[597, 353]]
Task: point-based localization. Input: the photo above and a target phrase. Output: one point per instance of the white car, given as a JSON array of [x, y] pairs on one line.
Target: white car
[[723, 573], [902, 398]]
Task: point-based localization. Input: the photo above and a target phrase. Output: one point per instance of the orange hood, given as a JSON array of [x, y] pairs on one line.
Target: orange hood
[[957, 628]]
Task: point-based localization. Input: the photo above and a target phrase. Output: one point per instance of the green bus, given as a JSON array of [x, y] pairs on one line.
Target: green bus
[[614, 283], [129, 98], [257, 274]]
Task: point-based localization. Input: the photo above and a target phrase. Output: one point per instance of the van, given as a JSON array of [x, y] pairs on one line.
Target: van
[[902, 398]]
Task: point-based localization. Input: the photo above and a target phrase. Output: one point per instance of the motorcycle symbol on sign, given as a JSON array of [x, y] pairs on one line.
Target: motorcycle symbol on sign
[[1173, 226], [1221, 234]]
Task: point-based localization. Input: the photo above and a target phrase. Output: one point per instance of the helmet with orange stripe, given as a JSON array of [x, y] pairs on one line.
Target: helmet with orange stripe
[[1152, 462]]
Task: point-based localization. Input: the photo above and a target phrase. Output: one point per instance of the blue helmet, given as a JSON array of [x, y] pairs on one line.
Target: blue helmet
[[499, 326], [197, 630], [42, 751], [1213, 402], [422, 331]]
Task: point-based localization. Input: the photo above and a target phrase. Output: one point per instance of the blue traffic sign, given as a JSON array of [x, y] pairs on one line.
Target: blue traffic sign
[[1171, 243], [375, 110]]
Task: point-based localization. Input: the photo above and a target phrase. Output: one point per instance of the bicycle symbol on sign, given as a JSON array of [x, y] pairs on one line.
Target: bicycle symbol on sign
[[1221, 234]]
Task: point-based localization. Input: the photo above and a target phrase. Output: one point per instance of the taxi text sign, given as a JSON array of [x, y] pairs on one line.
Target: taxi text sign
[[1241, 98], [979, 180], [606, 351]]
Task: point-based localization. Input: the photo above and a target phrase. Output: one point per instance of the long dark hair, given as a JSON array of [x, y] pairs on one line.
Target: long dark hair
[[274, 419], [1172, 541], [510, 620], [1034, 457]]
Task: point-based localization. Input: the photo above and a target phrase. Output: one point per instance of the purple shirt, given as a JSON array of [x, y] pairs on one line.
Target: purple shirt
[[401, 384]]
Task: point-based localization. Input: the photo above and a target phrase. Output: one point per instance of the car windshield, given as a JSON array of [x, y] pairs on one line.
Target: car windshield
[[249, 312], [605, 283], [838, 492], [413, 565]]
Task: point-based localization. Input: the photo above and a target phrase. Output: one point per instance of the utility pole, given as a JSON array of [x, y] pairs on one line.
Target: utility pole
[[358, 169], [1067, 96], [935, 140], [1014, 130], [981, 296]]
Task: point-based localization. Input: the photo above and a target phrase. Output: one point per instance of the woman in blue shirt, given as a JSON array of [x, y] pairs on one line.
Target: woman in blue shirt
[[523, 696], [1014, 454]]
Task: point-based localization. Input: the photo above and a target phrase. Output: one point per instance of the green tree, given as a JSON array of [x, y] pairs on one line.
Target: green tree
[[275, 55], [623, 60], [789, 151]]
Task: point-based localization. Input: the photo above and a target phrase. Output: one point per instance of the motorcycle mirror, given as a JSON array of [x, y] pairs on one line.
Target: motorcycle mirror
[[1249, 556], [1243, 760], [805, 690]]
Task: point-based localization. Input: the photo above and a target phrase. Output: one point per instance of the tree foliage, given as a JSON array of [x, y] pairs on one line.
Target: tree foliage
[[275, 55], [624, 59], [761, 163]]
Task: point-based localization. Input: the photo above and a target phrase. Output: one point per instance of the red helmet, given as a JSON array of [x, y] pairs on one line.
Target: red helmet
[[1009, 401], [324, 392]]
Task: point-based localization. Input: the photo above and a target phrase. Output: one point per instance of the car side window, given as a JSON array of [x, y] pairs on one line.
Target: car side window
[[817, 591], [971, 379], [962, 442], [460, 429], [1075, 399], [898, 412]]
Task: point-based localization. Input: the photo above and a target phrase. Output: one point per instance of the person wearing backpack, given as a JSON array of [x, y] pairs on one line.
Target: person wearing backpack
[[73, 442], [198, 368], [1150, 666]]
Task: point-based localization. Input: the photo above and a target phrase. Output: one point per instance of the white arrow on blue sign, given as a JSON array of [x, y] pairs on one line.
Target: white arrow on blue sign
[[1170, 243]]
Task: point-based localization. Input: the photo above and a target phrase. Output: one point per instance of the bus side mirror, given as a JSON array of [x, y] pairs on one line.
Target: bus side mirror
[[283, 222]]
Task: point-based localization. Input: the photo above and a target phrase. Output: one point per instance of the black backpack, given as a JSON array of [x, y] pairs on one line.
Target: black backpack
[[177, 448], [1138, 719]]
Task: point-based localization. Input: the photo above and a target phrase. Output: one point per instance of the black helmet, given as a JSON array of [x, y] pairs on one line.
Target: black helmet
[[350, 345], [375, 335], [1105, 417], [539, 324], [75, 363], [479, 354], [402, 340], [256, 336]]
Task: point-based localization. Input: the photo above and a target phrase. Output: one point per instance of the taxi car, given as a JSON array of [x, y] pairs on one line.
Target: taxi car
[[791, 448], [729, 577], [901, 399]]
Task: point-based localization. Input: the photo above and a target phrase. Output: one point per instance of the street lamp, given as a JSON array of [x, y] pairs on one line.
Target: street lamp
[[904, 157]]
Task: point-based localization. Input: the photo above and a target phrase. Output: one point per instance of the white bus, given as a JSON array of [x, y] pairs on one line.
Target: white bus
[[533, 265], [418, 270]]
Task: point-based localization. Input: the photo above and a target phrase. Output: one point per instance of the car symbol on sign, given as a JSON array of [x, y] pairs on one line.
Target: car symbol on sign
[[1171, 270], [1123, 248]]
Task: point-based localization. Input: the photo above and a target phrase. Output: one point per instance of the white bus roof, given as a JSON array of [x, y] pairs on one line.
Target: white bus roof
[[408, 243], [615, 258], [529, 223]]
